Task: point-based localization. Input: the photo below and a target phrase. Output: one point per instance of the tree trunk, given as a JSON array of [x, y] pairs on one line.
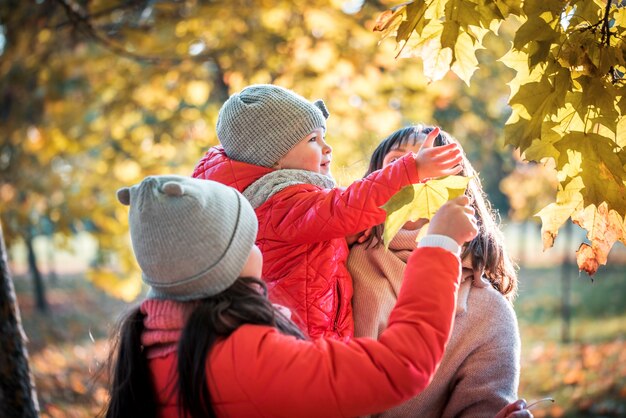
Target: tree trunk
[[40, 290], [52, 273], [566, 291], [17, 389]]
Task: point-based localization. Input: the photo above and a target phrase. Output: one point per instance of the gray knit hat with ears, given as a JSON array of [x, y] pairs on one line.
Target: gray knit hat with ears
[[191, 237], [260, 124]]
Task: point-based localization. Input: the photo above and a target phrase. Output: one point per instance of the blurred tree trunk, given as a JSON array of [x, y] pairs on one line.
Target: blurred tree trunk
[[52, 271], [17, 389], [566, 284], [39, 288]]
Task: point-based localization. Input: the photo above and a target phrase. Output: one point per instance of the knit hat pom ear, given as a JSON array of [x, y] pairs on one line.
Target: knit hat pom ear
[[123, 195], [172, 188], [322, 106]]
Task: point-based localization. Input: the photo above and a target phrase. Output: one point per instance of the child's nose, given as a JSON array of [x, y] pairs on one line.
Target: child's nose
[[326, 149]]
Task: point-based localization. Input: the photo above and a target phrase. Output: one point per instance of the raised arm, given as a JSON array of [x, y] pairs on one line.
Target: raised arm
[[330, 378]]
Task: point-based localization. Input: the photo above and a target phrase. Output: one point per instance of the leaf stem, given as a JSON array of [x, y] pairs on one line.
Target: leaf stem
[[414, 26], [534, 403]]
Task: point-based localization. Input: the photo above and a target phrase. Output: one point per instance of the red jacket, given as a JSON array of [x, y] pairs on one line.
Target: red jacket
[[258, 372], [302, 232]]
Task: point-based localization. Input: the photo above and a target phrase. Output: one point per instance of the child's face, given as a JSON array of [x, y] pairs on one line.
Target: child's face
[[254, 264], [401, 151], [311, 154]]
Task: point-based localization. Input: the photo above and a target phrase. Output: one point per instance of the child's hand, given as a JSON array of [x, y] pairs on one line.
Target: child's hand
[[456, 220], [437, 161], [359, 238]]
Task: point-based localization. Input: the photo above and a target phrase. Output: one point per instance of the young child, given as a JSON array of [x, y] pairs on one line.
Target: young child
[[479, 373], [207, 342], [274, 152]]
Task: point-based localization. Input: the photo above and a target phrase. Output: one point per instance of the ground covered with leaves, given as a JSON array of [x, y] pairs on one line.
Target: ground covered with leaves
[[586, 377], [68, 345]]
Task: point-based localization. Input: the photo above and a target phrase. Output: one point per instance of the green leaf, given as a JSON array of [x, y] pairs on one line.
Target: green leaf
[[414, 20], [600, 96], [538, 98], [537, 7], [516, 131], [450, 34], [602, 172], [420, 201], [620, 136], [508, 7], [543, 147], [539, 52], [534, 29], [588, 11]]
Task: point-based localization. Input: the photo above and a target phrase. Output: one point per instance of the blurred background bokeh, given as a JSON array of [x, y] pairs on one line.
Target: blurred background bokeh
[[95, 95]]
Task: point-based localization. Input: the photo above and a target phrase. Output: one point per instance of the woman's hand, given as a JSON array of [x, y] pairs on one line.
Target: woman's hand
[[516, 409], [434, 161], [456, 220]]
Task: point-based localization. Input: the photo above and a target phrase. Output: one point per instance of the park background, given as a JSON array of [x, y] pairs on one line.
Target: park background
[[98, 94]]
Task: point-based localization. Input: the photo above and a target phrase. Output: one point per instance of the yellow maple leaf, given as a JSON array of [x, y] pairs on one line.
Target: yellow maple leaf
[[420, 201]]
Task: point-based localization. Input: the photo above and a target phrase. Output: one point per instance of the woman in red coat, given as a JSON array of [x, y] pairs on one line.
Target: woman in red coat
[[207, 342]]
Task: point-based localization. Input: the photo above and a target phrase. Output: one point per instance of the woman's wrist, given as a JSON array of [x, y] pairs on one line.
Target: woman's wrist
[[441, 241]]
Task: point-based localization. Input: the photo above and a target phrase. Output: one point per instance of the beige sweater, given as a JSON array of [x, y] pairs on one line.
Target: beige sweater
[[479, 373]]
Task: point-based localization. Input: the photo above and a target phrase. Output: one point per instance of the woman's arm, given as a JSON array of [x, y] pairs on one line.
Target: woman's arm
[[488, 378], [286, 377]]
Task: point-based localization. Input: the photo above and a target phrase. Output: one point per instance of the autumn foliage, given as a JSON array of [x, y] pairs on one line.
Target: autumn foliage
[[568, 98]]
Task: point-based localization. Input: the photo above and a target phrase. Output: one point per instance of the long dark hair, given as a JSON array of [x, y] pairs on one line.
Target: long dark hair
[[212, 318], [487, 248]]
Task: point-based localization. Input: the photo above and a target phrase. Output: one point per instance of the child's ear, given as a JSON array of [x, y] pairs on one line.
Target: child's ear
[[322, 106], [123, 195]]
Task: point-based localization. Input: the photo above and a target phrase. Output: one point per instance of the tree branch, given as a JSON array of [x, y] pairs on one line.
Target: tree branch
[[606, 30], [82, 22], [103, 12]]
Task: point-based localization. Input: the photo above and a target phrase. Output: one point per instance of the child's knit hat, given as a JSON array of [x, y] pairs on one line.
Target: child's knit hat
[[260, 124], [191, 237]]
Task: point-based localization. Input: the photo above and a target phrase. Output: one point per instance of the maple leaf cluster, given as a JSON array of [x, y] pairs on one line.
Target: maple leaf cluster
[[568, 97]]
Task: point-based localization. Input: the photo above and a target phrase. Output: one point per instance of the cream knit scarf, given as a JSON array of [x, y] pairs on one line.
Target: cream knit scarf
[[270, 184]]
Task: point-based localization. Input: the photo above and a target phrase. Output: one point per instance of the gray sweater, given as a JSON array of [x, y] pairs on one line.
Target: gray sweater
[[479, 373]]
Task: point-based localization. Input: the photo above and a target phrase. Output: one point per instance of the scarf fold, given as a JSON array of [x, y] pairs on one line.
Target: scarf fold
[[163, 325], [401, 246], [268, 185]]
